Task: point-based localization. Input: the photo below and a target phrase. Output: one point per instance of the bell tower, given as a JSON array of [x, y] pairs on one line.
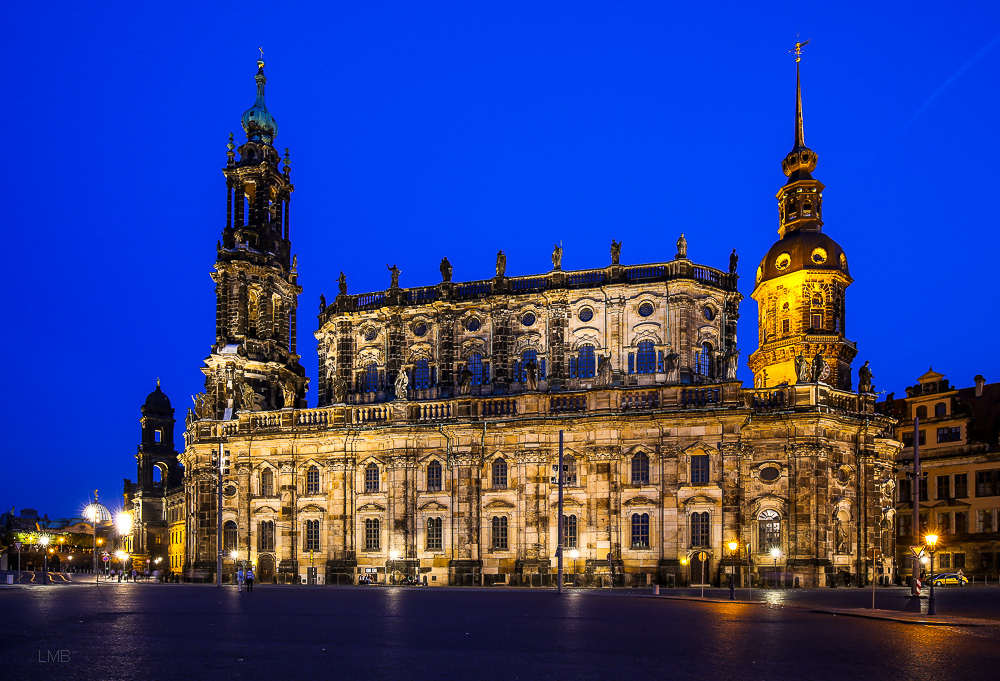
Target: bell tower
[[253, 364], [802, 282]]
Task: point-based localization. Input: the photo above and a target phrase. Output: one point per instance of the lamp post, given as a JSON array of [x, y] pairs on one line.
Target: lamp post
[[684, 561], [574, 554], [931, 540], [393, 555], [44, 541], [733, 546], [775, 553], [234, 554]]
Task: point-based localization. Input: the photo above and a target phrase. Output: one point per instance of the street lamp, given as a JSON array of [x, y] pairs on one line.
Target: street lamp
[[931, 540], [574, 554], [733, 546], [393, 555], [96, 513], [684, 562], [775, 553], [44, 541]]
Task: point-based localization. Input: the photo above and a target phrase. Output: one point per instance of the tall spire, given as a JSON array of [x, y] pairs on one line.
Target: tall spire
[[800, 135], [257, 121], [801, 160], [800, 199]]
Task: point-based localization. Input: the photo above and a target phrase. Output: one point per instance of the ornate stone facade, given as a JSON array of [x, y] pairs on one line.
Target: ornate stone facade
[[434, 448]]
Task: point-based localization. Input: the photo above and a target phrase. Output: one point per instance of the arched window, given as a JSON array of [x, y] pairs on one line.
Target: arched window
[[475, 366], [700, 535], [499, 534], [939, 409], [640, 530], [370, 378], [584, 365], [703, 360], [521, 370], [312, 535], [371, 478], [434, 534], [768, 531], [422, 375], [267, 483], [434, 477], [640, 469], [372, 541], [569, 465], [569, 531], [229, 536], [500, 474], [646, 359], [312, 480], [921, 412], [265, 535]]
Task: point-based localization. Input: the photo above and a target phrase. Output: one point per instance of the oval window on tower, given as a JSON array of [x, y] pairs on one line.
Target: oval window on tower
[[419, 329], [708, 312], [760, 273], [473, 324], [819, 256], [769, 473], [843, 261], [646, 309], [370, 333], [783, 261]]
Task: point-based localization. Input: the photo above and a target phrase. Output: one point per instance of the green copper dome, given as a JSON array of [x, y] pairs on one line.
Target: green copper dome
[[257, 121]]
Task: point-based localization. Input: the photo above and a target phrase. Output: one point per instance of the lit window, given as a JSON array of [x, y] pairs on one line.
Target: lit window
[[768, 531]]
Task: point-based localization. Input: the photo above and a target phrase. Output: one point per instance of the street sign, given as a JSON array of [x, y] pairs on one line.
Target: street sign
[[702, 556], [106, 558], [875, 554], [17, 546], [917, 551]]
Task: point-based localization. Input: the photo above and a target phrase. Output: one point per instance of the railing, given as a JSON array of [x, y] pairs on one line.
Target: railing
[[418, 296], [473, 289], [567, 403], [437, 411], [645, 272], [506, 406], [770, 400], [311, 418], [528, 284], [587, 278], [373, 414], [646, 399], [369, 300], [699, 397]]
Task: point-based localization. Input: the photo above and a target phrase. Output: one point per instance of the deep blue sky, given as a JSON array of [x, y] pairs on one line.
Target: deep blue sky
[[419, 130]]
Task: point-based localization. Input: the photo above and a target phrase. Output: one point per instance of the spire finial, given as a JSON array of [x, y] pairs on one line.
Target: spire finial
[[260, 62], [800, 137], [157, 381]]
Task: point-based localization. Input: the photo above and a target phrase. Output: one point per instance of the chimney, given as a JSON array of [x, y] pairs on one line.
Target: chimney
[[980, 382]]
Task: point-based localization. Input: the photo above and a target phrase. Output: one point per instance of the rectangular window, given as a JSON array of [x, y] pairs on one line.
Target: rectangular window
[[905, 491], [961, 485], [312, 535], [434, 534], [943, 486], [944, 561], [499, 535], [923, 523], [908, 438], [434, 477], [157, 434], [959, 561], [372, 541], [961, 522], [944, 523], [988, 483], [371, 479], [923, 487], [986, 560], [640, 530], [986, 520], [631, 363], [953, 434], [699, 469], [817, 322], [569, 531], [699, 529]]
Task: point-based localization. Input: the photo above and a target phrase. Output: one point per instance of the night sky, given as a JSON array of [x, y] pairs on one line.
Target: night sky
[[419, 130]]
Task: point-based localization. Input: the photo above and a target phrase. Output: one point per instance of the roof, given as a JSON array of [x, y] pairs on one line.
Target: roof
[[805, 250]]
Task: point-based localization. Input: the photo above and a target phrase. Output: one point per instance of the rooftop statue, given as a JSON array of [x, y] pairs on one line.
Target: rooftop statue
[[446, 270], [616, 252]]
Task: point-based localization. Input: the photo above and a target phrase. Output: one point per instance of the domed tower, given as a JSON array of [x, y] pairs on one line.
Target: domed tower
[[253, 364], [801, 283]]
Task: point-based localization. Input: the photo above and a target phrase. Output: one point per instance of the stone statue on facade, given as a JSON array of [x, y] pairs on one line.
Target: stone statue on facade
[[670, 366], [338, 388], [501, 264], [682, 248], [249, 399], [733, 261], [604, 372], [531, 371], [465, 382], [322, 303], [865, 377], [402, 383], [616, 252], [288, 395], [342, 283], [802, 369], [446, 270], [729, 363], [202, 408], [820, 369], [394, 275], [557, 252]]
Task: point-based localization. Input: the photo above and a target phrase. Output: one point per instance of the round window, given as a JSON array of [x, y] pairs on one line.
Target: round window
[[645, 309], [819, 256], [783, 261], [770, 473], [370, 333], [586, 314], [527, 319], [420, 329], [844, 476], [760, 273], [708, 312], [229, 490], [473, 324]]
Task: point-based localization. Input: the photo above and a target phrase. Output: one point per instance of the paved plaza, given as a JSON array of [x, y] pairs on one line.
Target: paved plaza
[[164, 631]]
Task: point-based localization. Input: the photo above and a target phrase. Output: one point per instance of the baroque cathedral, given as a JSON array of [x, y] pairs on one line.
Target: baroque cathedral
[[443, 410]]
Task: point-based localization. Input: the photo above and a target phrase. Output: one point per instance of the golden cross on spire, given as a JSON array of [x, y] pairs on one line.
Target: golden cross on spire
[[798, 50], [261, 53]]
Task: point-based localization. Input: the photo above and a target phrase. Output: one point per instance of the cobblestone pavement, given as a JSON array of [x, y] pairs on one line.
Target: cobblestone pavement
[[152, 632]]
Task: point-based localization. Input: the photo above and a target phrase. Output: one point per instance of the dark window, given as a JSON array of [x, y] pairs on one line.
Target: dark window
[[943, 486], [986, 560], [640, 469], [312, 480], [817, 322], [959, 561], [370, 378], [645, 310], [265, 536], [923, 487], [905, 491], [475, 366], [312, 535], [521, 367], [785, 326], [945, 561], [422, 375], [267, 483], [768, 531], [569, 531], [434, 477], [584, 365], [528, 319], [473, 324], [500, 474], [434, 534], [953, 434], [372, 540], [961, 485], [703, 360], [699, 469], [569, 466], [940, 409], [640, 530], [646, 363], [371, 478], [921, 412], [699, 529], [986, 520], [961, 522], [499, 535], [229, 536], [908, 438], [420, 330], [631, 362], [988, 483], [586, 314]]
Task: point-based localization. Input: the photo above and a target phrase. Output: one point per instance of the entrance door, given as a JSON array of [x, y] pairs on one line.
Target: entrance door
[[265, 568], [701, 572]]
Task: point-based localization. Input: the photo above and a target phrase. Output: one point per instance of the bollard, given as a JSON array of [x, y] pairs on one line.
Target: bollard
[[656, 589]]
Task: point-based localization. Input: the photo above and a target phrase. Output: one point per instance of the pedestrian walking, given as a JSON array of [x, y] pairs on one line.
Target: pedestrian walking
[[239, 579], [249, 579]]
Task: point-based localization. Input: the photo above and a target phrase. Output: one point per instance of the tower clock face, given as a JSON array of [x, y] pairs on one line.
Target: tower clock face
[[229, 490]]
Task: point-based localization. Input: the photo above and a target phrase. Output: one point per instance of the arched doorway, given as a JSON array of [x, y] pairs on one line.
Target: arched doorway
[[265, 568], [701, 572]]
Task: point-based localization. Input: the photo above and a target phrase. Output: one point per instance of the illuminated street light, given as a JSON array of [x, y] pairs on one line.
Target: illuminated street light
[[733, 547], [775, 553], [393, 555], [44, 541], [574, 554], [931, 540], [123, 523]]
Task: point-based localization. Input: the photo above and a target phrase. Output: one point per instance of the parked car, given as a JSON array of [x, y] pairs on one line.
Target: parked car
[[950, 578]]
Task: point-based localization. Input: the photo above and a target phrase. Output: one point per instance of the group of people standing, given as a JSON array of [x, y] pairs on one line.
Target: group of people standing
[[245, 578]]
